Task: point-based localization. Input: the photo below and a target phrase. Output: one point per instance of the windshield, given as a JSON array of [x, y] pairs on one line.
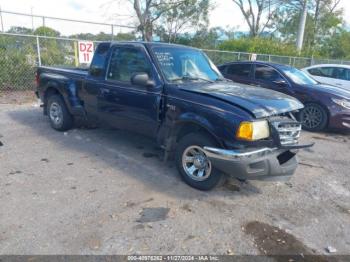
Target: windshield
[[184, 64], [299, 77]]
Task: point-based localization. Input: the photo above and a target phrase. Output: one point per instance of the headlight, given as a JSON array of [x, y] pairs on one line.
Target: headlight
[[252, 131], [342, 102]]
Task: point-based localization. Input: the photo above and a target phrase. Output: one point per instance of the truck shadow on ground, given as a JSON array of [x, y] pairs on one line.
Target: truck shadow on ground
[[129, 154]]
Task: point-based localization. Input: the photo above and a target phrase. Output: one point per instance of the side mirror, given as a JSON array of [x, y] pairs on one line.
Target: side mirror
[[142, 79]]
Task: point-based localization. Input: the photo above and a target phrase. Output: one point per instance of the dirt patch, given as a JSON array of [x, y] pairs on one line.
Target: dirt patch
[[153, 214], [17, 97], [272, 241]]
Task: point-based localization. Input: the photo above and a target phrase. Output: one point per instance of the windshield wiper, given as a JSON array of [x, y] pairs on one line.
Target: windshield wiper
[[191, 78], [221, 79]]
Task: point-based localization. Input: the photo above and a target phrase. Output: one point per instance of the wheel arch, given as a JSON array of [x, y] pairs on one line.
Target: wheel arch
[[319, 103], [52, 88]]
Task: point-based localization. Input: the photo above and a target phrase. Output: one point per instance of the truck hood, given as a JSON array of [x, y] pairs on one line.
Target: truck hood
[[260, 102]]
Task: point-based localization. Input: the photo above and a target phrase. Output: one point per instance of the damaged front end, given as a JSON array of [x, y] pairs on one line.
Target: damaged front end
[[274, 162]]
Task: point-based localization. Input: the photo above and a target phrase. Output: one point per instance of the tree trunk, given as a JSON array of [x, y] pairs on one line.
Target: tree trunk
[[301, 29]]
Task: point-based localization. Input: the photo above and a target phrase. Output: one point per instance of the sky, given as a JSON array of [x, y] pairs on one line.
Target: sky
[[225, 14]]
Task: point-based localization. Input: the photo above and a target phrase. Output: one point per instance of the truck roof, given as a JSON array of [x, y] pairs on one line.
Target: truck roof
[[149, 44]]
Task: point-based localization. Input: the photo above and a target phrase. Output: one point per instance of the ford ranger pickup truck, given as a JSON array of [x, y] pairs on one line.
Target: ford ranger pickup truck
[[210, 126]]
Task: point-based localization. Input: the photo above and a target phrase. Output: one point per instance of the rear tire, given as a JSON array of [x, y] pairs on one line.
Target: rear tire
[[60, 118], [313, 117], [193, 165]]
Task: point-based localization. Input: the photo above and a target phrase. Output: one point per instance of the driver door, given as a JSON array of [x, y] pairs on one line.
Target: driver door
[[126, 105], [268, 77]]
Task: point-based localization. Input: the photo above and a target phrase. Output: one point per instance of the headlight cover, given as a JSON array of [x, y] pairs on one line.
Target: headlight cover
[[342, 102], [252, 131]]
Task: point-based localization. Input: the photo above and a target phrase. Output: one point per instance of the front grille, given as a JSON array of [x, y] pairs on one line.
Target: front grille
[[288, 130]]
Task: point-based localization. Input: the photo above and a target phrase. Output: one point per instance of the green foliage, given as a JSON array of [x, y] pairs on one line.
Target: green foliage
[[16, 63], [337, 46], [46, 31], [191, 14], [203, 38], [259, 46], [105, 37], [20, 30], [323, 19]]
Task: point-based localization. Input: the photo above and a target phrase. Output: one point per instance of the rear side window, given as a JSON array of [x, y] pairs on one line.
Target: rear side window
[[125, 62], [341, 73], [322, 71], [266, 73], [241, 70], [332, 72], [98, 62]]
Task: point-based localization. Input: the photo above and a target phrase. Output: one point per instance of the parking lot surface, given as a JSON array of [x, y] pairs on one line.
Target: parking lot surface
[[104, 191]]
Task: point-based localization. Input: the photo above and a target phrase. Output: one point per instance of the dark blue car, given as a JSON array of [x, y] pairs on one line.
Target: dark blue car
[[326, 106], [175, 95]]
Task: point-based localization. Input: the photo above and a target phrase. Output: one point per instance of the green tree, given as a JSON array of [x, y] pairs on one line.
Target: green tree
[[54, 51], [258, 13], [148, 13], [337, 46], [46, 31], [323, 18], [20, 30], [191, 14], [259, 45]]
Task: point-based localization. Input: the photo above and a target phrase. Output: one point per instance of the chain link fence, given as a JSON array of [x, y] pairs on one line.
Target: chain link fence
[[21, 54], [221, 57]]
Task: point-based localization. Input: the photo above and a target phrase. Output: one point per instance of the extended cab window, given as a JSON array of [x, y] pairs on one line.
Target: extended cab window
[[266, 73], [126, 62], [241, 70], [98, 62]]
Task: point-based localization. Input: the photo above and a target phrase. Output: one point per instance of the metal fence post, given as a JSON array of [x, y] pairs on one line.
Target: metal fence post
[[38, 50], [112, 31], [2, 22]]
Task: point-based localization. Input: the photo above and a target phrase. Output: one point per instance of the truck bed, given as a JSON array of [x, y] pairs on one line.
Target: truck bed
[[68, 71]]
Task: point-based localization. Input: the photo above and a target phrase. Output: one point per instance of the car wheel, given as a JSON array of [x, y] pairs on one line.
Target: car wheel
[[194, 166], [60, 118], [313, 117]]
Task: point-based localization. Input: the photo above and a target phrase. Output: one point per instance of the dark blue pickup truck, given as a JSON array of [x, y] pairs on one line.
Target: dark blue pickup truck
[[176, 95]]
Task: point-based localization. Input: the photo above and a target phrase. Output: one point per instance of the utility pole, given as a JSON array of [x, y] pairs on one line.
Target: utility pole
[[301, 29]]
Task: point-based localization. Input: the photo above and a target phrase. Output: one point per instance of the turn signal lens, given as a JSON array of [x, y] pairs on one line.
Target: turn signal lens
[[252, 131], [245, 131]]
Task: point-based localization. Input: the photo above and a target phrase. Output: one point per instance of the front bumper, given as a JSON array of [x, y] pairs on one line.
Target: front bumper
[[276, 164], [340, 121]]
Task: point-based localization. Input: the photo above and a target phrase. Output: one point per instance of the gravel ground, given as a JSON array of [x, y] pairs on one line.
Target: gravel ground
[[103, 191]]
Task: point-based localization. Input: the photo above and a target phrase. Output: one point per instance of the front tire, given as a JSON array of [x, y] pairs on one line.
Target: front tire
[[313, 117], [194, 166], [60, 118]]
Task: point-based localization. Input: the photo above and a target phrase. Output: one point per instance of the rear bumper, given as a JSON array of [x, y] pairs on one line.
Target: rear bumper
[[271, 164]]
